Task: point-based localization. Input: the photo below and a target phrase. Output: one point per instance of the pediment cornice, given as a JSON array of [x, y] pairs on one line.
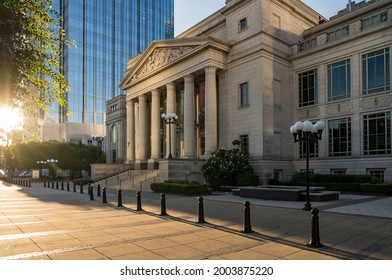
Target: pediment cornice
[[161, 55]]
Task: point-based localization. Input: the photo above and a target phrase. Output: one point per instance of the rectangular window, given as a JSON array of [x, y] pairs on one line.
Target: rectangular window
[[376, 72], [337, 34], [338, 171], [243, 24], [307, 45], [339, 82], [244, 95], [313, 149], [244, 144], [339, 137], [378, 173], [374, 20], [307, 88], [377, 133]]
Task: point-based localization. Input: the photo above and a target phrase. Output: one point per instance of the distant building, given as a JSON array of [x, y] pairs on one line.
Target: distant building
[[106, 34], [251, 70]]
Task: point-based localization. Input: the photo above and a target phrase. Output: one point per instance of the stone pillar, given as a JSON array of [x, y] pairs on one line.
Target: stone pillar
[[142, 129], [136, 129], [189, 118], [171, 108], [130, 130], [155, 125], [211, 117]]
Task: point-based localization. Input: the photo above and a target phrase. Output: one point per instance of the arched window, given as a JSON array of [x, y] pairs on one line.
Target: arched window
[[114, 134]]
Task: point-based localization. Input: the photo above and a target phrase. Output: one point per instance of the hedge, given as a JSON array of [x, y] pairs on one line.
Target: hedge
[[188, 189]]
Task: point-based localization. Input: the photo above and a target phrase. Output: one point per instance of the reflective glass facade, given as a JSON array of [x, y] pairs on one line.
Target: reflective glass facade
[[107, 33]]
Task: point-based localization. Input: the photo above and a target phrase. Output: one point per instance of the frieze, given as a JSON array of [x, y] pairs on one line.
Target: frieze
[[159, 58]]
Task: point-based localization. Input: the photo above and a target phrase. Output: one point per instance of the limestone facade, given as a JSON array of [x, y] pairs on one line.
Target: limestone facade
[[235, 75]]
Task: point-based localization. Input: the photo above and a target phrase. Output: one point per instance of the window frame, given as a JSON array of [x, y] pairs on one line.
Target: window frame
[[331, 69], [312, 98], [242, 93], [378, 136], [371, 58], [337, 150]]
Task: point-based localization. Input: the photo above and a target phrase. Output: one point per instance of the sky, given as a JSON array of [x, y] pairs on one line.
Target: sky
[[189, 12]]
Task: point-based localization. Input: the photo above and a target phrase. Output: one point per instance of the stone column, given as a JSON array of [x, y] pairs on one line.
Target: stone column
[[136, 129], [142, 129], [171, 108], [130, 130], [211, 117], [189, 118], [155, 125]]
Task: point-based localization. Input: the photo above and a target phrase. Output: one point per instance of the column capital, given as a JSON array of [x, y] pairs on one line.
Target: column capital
[[210, 70], [189, 78], [171, 86], [155, 92]]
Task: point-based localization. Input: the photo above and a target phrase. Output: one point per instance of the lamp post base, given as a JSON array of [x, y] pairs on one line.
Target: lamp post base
[[307, 206]]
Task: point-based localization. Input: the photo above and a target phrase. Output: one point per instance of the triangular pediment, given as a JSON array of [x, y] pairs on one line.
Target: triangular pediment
[[162, 54]]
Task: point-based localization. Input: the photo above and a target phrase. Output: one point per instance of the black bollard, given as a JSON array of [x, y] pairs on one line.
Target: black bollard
[[139, 201], [91, 191], [74, 187], [62, 185], [163, 204], [104, 195], [88, 189], [315, 232], [98, 190], [44, 183], [68, 186], [57, 184], [200, 218], [247, 227], [81, 187], [119, 198], [52, 184], [29, 183]]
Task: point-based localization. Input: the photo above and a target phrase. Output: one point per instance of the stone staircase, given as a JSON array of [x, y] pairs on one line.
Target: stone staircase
[[130, 180]]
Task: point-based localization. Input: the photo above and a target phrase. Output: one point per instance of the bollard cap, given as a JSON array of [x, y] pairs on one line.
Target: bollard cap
[[314, 211], [246, 203], [200, 198]]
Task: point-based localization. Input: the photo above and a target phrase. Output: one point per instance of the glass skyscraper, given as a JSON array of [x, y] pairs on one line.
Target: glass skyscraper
[[107, 34]]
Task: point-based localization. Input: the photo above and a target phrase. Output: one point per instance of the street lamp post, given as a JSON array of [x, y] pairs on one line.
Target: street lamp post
[[169, 119], [99, 140], [53, 161], [307, 132], [41, 165]]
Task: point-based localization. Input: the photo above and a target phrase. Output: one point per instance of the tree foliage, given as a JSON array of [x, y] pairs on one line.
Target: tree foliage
[[31, 41], [24, 156]]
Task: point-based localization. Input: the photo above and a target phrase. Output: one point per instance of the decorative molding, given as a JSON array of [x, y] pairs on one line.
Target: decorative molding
[[161, 57]]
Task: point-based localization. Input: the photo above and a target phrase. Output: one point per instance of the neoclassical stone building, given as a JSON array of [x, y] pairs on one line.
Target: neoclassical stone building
[[251, 70]]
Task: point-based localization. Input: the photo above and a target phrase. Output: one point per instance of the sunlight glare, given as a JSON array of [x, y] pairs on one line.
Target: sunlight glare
[[10, 119]]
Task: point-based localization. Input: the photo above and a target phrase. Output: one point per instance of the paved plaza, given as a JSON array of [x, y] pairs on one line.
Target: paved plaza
[[54, 224]]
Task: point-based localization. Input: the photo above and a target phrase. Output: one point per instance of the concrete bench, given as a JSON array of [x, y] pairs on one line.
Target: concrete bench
[[285, 194]]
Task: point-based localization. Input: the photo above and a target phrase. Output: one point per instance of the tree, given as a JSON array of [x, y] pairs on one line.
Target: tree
[[31, 41]]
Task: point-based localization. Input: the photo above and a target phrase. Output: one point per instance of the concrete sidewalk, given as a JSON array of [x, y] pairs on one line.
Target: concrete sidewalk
[[45, 223]]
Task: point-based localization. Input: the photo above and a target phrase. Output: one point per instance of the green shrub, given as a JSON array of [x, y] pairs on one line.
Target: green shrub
[[247, 178], [179, 188], [230, 167]]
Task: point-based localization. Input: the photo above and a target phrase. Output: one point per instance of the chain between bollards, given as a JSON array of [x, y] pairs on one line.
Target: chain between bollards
[[104, 195], [247, 227], [315, 230], [200, 218], [139, 201], [163, 204]]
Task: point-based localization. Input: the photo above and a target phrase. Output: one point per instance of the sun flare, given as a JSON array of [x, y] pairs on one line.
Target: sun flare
[[10, 119]]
